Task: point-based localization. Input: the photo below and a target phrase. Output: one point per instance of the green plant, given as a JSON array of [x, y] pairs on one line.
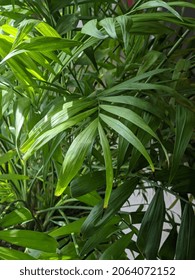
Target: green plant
[[97, 105]]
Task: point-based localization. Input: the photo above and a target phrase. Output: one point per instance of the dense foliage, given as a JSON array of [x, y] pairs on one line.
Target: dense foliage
[[97, 111]]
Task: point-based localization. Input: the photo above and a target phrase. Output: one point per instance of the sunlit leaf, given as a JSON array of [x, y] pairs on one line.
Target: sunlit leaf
[[11, 254], [109, 25], [73, 227], [27, 238], [75, 156], [90, 28], [15, 217]]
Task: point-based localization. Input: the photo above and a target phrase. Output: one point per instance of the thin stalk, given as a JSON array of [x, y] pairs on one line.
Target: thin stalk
[[76, 246], [24, 188]]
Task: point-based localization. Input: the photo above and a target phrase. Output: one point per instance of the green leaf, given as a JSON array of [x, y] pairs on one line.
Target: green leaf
[[46, 30], [67, 23], [15, 217], [182, 4], [13, 177], [108, 164], [167, 251], [125, 23], [130, 116], [149, 235], [11, 254], [100, 216], [87, 183], [157, 4], [130, 85], [30, 239], [42, 44], [185, 121], [46, 136], [149, 59], [55, 121], [185, 247], [90, 28], [134, 101], [126, 133], [75, 156], [7, 156], [184, 179], [100, 235], [73, 227], [91, 199], [114, 251], [109, 25], [21, 111], [25, 27]]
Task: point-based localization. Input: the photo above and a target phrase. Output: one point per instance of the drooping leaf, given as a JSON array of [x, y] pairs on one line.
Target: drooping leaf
[[149, 235], [75, 156], [130, 116], [134, 101], [157, 4], [125, 132], [46, 136]]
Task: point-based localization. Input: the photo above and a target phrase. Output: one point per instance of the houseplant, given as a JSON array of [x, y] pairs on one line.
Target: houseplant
[[97, 106]]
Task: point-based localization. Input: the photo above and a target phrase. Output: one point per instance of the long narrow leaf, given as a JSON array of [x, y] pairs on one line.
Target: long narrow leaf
[[125, 132], [15, 217], [75, 156], [108, 164], [30, 239], [185, 247], [185, 122], [151, 227], [11, 254]]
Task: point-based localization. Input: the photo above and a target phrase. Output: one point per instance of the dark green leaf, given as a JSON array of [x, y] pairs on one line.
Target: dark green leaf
[[167, 251], [149, 235], [87, 183], [185, 248], [115, 251], [75, 156]]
